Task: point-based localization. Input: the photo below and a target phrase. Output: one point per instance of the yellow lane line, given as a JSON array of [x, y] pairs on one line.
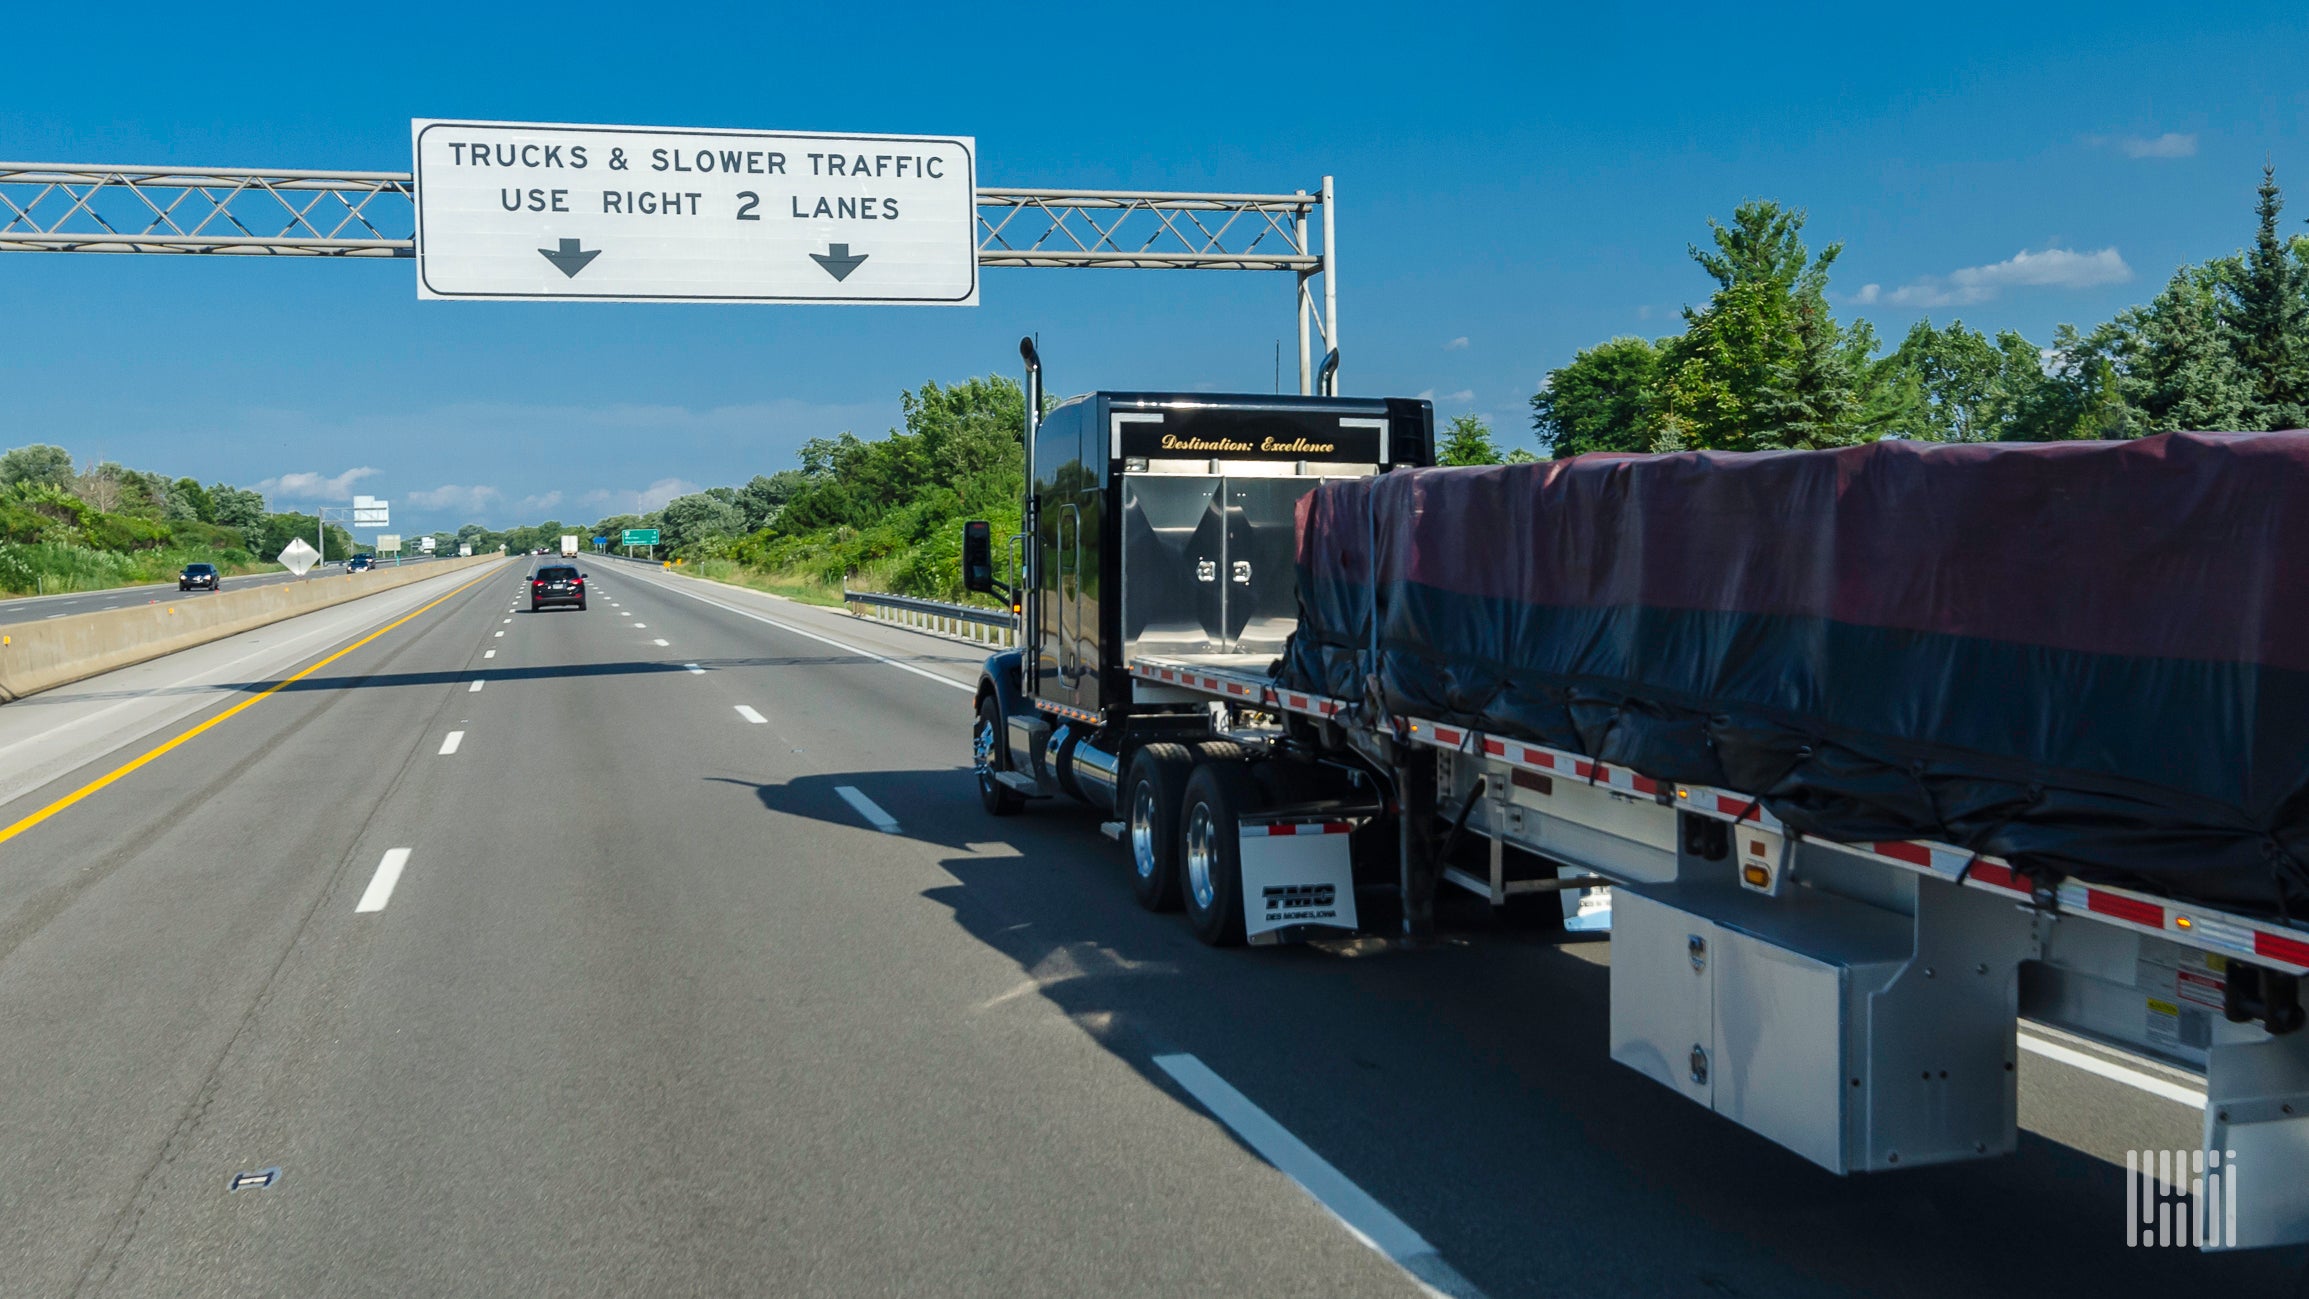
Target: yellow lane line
[[132, 764]]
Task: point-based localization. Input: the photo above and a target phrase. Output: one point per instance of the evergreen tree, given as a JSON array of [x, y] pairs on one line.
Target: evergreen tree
[[2272, 318], [2181, 368], [1467, 441]]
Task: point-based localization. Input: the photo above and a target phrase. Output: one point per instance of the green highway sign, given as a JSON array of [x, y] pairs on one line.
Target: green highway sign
[[640, 537]]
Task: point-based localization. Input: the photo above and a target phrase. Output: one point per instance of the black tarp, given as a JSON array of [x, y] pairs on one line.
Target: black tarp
[[2089, 658]]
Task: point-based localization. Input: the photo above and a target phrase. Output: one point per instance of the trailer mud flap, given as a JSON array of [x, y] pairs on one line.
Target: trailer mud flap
[[1297, 879]]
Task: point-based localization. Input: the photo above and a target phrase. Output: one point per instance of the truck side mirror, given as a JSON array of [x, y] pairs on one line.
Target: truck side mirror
[[978, 556]]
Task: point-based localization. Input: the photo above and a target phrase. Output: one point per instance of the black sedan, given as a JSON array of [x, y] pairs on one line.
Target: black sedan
[[199, 577]]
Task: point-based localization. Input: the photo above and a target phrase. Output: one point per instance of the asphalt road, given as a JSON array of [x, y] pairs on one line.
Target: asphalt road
[[624, 991], [34, 608]]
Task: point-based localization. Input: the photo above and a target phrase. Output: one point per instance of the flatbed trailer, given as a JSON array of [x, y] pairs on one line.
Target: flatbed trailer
[[1858, 1003]]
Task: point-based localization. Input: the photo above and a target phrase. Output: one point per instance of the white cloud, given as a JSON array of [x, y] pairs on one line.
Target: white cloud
[[314, 487], [1459, 344], [1426, 394], [2172, 144], [1464, 394], [1868, 293], [529, 505], [2057, 268], [454, 499]]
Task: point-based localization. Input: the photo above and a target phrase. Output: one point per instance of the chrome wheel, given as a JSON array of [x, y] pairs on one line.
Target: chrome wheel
[[982, 751], [1142, 830], [1202, 843]]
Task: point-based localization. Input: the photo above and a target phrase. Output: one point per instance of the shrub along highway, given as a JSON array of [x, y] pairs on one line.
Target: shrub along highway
[[663, 948]]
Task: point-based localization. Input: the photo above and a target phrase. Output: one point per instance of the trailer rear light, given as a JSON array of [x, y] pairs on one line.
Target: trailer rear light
[[1758, 877]]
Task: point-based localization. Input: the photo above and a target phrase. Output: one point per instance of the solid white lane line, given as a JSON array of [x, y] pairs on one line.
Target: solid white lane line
[[752, 716], [695, 670], [1366, 1218], [924, 673], [865, 807], [475, 687], [381, 884], [660, 641], [450, 742], [489, 654], [2113, 1071]]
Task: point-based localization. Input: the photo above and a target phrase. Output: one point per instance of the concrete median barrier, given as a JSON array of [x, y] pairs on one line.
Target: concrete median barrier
[[41, 655]]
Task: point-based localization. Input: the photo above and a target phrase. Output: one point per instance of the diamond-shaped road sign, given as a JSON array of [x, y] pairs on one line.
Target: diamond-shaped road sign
[[540, 210], [298, 557]]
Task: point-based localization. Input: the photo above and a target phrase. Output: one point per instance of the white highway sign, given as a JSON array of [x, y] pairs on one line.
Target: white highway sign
[[513, 210], [298, 556]]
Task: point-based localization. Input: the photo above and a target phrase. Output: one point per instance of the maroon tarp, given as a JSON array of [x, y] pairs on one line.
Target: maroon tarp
[[2092, 658]]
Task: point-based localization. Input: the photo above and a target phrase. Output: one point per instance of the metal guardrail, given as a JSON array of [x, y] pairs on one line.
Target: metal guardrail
[[961, 621]]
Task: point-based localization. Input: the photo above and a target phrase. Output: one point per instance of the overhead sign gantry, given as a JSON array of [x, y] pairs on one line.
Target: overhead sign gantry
[[70, 207]]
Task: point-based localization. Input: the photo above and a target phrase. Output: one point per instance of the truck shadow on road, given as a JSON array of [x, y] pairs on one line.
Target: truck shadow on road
[[1468, 1087]]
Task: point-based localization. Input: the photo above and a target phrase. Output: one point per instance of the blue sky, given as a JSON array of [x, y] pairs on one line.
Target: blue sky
[[1515, 182]]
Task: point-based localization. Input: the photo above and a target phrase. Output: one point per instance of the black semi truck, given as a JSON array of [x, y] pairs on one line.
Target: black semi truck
[[1160, 529]]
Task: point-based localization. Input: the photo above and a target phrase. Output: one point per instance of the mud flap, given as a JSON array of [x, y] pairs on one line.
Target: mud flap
[[1298, 880]]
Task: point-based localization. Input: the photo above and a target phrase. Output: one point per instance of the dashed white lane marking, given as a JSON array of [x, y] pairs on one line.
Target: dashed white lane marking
[[750, 715], [924, 673], [381, 884], [499, 633], [2113, 1071], [489, 654], [865, 807], [509, 620], [695, 670], [660, 641], [450, 742], [639, 625], [1365, 1218], [475, 688]]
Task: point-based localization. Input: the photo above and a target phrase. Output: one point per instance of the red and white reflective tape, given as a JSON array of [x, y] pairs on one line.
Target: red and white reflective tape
[[2212, 931], [1301, 827]]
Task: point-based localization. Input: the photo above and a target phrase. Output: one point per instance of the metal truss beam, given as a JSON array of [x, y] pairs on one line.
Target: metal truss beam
[[54, 207]]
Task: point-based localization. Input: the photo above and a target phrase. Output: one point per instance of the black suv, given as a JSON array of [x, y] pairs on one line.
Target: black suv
[[200, 575], [556, 584]]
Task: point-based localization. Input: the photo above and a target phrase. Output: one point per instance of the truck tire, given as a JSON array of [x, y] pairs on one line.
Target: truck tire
[[985, 754], [1150, 819], [1210, 851]]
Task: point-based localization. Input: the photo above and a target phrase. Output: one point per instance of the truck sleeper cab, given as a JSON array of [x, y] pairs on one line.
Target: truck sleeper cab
[[1166, 524]]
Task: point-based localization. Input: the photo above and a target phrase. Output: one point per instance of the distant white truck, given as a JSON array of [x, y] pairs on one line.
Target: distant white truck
[[569, 547]]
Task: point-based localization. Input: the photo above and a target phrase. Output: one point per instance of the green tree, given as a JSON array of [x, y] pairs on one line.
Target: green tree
[[1764, 363], [760, 499], [1964, 386], [2179, 364], [1467, 441], [1607, 399], [696, 520], [2272, 317], [37, 465], [188, 501], [237, 507]]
